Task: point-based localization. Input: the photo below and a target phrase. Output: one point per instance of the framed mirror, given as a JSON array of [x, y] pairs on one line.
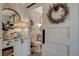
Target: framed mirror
[[9, 18]]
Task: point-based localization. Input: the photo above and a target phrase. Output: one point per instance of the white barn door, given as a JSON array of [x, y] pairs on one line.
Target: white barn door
[[61, 39]]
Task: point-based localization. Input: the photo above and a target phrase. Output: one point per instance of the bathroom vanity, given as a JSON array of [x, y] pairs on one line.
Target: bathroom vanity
[[15, 40], [15, 48]]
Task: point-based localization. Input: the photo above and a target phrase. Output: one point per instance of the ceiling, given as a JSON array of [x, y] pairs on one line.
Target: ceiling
[[22, 5], [39, 10]]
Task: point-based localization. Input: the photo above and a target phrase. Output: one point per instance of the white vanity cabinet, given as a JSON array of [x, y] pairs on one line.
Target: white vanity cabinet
[[25, 45], [22, 47], [17, 48]]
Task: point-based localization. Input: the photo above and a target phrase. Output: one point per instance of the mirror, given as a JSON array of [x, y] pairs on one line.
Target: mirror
[[9, 18]]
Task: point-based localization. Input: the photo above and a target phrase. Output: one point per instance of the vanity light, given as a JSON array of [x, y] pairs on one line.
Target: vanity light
[[19, 26], [39, 25]]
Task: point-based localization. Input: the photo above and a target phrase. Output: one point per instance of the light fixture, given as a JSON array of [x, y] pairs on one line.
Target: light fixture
[[39, 25], [19, 26]]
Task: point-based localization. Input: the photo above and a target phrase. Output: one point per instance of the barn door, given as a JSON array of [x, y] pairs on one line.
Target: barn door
[[61, 39]]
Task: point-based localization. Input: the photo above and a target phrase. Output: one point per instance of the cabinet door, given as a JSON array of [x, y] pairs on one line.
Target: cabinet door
[[22, 47], [17, 48], [25, 47]]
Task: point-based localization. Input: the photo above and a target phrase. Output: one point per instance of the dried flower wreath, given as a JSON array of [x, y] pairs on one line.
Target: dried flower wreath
[[55, 8]]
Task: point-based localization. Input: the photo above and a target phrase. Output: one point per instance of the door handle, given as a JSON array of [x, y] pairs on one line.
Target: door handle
[[43, 36]]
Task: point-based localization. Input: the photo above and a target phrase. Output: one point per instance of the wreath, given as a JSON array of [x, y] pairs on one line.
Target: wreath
[[55, 9]]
